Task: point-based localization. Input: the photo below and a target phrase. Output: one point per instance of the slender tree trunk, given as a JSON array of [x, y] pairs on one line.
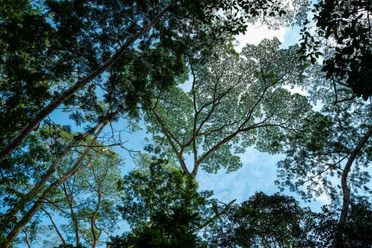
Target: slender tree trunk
[[55, 226], [93, 221], [27, 239], [23, 134], [337, 242], [38, 203], [170, 139], [36, 189], [75, 224]]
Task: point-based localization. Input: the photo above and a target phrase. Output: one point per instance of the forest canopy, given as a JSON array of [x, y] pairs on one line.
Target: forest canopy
[[82, 81]]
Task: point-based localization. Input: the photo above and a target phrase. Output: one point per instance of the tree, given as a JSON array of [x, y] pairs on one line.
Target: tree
[[343, 30], [163, 208], [39, 196], [70, 45], [357, 227], [29, 62], [103, 34], [333, 145], [61, 143], [263, 221], [235, 101], [88, 201], [63, 20], [28, 167]]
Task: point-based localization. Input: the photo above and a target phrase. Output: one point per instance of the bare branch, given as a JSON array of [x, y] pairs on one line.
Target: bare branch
[[27, 239], [54, 226]]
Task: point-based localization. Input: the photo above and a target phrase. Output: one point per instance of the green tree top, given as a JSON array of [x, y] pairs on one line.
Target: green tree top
[[235, 101]]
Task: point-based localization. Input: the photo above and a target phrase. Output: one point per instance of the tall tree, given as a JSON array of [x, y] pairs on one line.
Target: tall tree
[[357, 228], [63, 21], [235, 101], [81, 161], [28, 168], [29, 62], [87, 200], [54, 144]]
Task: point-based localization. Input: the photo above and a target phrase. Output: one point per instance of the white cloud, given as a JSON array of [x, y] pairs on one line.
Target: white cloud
[[256, 33]]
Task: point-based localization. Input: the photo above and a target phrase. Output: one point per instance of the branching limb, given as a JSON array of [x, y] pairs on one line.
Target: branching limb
[[346, 190], [171, 141], [216, 216], [54, 226]]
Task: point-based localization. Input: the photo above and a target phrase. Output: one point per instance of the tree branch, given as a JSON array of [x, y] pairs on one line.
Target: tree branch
[[74, 220], [27, 239], [93, 220], [38, 203], [171, 143], [345, 189], [210, 220], [232, 135], [48, 174], [54, 226]]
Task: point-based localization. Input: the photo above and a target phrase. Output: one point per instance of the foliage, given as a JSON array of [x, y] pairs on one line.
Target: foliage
[[92, 193], [162, 207], [61, 46], [235, 101], [28, 63], [343, 31], [87, 201], [315, 156], [263, 221], [356, 232], [27, 165], [101, 60]]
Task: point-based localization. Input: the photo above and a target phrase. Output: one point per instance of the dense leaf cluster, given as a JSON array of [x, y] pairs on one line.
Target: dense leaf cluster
[[345, 26], [163, 208]]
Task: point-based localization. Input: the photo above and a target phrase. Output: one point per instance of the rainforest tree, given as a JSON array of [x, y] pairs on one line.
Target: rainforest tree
[[235, 101]]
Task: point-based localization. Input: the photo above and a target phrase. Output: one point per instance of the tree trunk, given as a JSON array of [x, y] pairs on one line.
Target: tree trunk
[[337, 242], [22, 135], [36, 189], [36, 206], [75, 224], [27, 240], [55, 226], [93, 221]]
